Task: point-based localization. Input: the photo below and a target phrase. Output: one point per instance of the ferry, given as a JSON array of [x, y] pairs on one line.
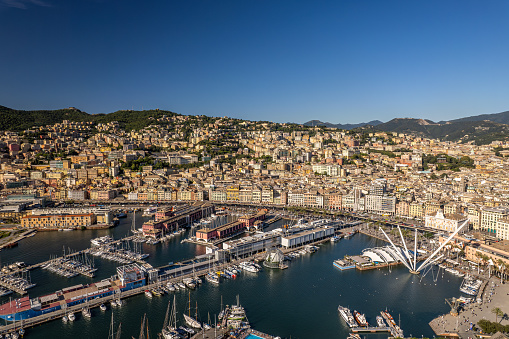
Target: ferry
[[128, 277], [347, 316], [361, 319]]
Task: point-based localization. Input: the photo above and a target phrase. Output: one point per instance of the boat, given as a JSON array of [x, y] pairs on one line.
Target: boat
[[470, 286], [213, 278], [101, 240], [335, 239], [149, 211], [347, 316], [148, 294], [71, 316], [249, 267], [235, 316], [170, 323], [119, 302], [380, 321], [86, 312], [102, 307], [127, 278], [122, 215], [353, 336], [65, 318], [360, 318], [113, 303], [193, 322]]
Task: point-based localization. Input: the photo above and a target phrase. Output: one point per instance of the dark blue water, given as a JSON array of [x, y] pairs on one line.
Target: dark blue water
[[299, 302]]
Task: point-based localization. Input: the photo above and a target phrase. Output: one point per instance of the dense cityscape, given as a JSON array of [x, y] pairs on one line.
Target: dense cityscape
[[183, 171], [254, 169]]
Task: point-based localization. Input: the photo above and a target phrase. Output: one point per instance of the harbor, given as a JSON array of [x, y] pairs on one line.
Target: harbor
[[313, 268]]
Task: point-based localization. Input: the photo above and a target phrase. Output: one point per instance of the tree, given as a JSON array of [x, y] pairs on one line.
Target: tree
[[497, 312]]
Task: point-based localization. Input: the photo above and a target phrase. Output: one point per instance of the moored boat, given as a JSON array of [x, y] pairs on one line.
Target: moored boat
[[360, 318], [347, 316]]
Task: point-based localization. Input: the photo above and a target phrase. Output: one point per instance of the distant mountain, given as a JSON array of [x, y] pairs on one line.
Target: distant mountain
[[481, 132], [501, 118], [342, 126]]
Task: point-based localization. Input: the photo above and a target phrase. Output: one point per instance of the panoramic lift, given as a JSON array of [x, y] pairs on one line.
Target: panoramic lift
[[411, 262]]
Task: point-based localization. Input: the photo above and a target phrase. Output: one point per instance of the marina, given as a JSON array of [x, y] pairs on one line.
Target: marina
[[314, 267]]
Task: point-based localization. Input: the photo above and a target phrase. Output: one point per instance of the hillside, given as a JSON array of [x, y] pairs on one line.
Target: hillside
[[501, 118], [341, 126], [18, 120], [481, 132]]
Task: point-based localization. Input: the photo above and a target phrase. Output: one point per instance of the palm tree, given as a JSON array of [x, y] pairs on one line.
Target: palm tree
[[497, 312]]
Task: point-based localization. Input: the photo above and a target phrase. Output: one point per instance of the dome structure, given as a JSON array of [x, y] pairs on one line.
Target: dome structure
[[274, 258]]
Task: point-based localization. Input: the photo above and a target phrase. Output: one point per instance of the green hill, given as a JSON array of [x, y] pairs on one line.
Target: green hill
[[18, 120]]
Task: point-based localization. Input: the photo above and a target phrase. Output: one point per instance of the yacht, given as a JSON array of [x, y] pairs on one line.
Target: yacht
[[86, 312], [71, 317], [213, 278], [102, 307]]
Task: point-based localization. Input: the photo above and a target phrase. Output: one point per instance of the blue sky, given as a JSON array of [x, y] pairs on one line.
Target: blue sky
[[342, 61]]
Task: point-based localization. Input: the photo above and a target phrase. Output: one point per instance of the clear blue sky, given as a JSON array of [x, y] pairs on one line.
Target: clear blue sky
[[342, 61]]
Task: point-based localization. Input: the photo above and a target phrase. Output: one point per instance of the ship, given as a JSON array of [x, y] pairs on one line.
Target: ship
[[149, 211], [128, 277], [347, 316], [361, 319]]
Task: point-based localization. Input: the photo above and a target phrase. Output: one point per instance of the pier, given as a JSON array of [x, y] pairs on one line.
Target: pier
[[370, 329], [12, 287]]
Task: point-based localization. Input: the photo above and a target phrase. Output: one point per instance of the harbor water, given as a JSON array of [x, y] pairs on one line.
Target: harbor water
[[299, 302]]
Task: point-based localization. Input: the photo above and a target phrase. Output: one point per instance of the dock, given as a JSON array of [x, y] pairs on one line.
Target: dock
[[370, 329], [12, 288]]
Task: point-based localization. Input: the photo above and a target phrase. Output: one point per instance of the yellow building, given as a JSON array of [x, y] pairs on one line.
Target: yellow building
[[58, 221]]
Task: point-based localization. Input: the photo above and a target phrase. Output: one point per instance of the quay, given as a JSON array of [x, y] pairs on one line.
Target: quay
[[370, 329], [493, 294], [214, 333], [11, 241]]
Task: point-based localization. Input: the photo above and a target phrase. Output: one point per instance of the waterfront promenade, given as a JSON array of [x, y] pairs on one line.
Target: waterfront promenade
[[494, 295]]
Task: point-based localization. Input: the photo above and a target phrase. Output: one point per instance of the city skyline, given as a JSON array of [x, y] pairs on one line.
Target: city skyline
[[340, 62]]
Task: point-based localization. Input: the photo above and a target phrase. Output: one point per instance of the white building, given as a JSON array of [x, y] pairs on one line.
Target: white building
[[448, 223]]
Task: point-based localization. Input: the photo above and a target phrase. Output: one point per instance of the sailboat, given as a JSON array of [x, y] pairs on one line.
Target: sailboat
[[133, 226], [193, 322], [170, 331]]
